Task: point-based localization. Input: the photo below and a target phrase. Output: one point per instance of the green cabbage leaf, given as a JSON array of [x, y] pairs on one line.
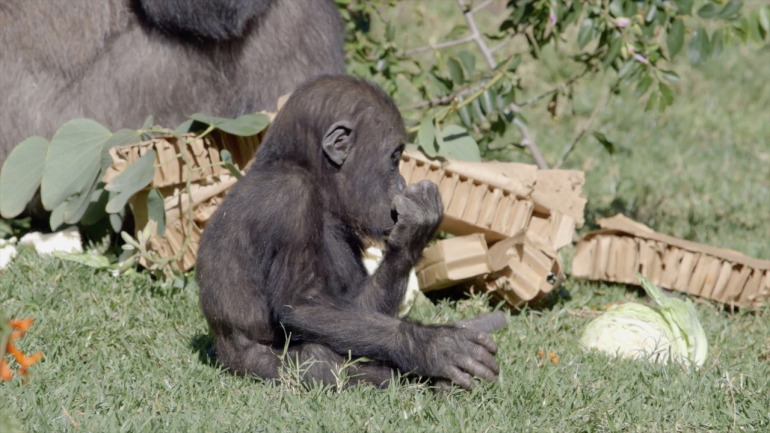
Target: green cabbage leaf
[[667, 331]]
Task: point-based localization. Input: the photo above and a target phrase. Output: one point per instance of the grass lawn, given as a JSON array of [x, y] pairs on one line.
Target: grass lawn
[[126, 354]]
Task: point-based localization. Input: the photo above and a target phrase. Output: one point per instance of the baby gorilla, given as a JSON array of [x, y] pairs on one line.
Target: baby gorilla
[[280, 263]]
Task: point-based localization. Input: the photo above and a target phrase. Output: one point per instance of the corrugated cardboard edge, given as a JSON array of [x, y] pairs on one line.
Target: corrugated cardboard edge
[[519, 269], [502, 199], [209, 180], [622, 248]]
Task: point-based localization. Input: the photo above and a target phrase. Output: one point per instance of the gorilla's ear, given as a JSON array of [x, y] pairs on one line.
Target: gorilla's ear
[[338, 141]]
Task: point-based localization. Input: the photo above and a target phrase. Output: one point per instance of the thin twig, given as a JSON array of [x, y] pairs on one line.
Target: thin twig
[[475, 35], [438, 46], [571, 146]]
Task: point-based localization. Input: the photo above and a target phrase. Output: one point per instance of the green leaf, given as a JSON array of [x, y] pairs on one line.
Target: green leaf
[[585, 33], [764, 19], [56, 220], [514, 63], [731, 10], [455, 71], [699, 47], [652, 101], [137, 176], [643, 86], [458, 144], [609, 146], [488, 101], [21, 174], [709, 10], [88, 259], [675, 37], [95, 211], [73, 160], [613, 49], [227, 160], [669, 76], [666, 96], [156, 210], [468, 60], [465, 116], [244, 126], [75, 206], [426, 136]]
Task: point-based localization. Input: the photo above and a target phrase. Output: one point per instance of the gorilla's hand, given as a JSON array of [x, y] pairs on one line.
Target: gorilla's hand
[[418, 214], [457, 354]]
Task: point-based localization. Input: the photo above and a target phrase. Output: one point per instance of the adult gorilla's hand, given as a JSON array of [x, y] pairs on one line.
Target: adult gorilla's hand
[[418, 213]]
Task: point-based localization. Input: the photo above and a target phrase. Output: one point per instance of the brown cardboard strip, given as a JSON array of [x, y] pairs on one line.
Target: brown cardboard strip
[[622, 248]]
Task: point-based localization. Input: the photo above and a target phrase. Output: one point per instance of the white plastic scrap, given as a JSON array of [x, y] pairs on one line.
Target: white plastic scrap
[[372, 258], [67, 240], [669, 330]]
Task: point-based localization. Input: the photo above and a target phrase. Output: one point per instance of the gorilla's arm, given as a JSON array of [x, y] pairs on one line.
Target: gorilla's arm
[[348, 324], [211, 20]]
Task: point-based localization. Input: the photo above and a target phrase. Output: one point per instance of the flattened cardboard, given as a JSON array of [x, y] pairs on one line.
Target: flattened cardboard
[[623, 247]]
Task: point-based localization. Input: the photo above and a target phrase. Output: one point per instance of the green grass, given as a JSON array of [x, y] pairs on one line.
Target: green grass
[[123, 354], [126, 354]]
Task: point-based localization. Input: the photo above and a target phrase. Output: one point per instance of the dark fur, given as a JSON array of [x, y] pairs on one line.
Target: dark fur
[[118, 61], [282, 255]]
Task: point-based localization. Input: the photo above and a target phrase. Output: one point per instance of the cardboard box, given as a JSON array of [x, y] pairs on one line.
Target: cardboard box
[[623, 248]]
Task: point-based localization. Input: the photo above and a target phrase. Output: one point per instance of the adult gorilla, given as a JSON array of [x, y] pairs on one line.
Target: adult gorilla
[[118, 61], [280, 263]]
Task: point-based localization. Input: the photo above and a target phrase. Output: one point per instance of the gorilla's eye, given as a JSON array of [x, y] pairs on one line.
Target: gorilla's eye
[[395, 158]]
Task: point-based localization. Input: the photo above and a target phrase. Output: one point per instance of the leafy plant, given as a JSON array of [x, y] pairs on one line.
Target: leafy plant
[[68, 170], [474, 78]]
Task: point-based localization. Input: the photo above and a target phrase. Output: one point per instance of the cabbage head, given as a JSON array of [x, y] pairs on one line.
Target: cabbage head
[[668, 330]]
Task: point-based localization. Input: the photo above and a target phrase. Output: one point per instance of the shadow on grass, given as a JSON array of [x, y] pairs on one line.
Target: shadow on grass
[[203, 345]]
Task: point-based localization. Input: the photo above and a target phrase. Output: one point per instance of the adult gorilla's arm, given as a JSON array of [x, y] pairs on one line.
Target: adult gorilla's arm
[[213, 20]]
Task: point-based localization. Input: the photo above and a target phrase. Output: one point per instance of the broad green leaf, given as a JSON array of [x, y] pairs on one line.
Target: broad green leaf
[[75, 206], [56, 220], [137, 176], [95, 211], [455, 71], [21, 174], [458, 144], [675, 37], [116, 219], [684, 6], [426, 136], [585, 33], [156, 210], [73, 160], [148, 121], [244, 126], [476, 113], [613, 49]]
